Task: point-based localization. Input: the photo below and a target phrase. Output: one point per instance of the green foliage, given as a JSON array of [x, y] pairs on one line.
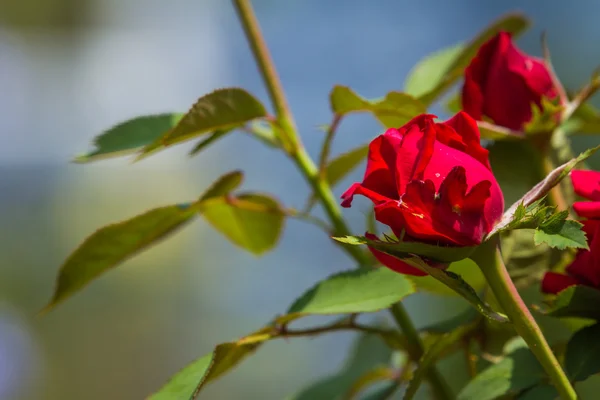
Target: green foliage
[[394, 110], [252, 221], [544, 120], [445, 254], [518, 371], [369, 353], [539, 191], [223, 186], [111, 245], [562, 235], [578, 301], [435, 74], [582, 358], [540, 392], [130, 136], [466, 268], [204, 143], [354, 292]]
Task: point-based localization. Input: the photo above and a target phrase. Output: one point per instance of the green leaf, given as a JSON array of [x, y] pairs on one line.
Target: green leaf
[[369, 352], [544, 120], [208, 141], [451, 324], [369, 378], [540, 392], [130, 136], [443, 254], [223, 186], [435, 74], [578, 301], [495, 132], [394, 110], [541, 189], [223, 109], [518, 371], [188, 382], [432, 355], [354, 291], [582, 358], [567, 235], [112, 244], [466, 268], [251, 221]]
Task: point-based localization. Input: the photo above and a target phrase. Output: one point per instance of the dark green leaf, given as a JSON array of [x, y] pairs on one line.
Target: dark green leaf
[[354, 292], [223, 109], [541, 189], [130, 136], [466, 268], [369, 352], [518, 371], [208, 141], [223, 186], [540, 392], [578, 301], [582, 358], [431, 77], [567, 235], [369, 378], [432, 355], [112, 244], [188, 382], [444, 254], [251, 221], [449, 325], [394, 110]]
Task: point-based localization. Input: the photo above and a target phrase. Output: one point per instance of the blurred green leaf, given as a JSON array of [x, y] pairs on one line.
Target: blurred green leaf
[[223, 186], [112, 244], [518, 371], [354, 291], [576, 301], [582, 358], [376, 375], [130, 136], [252, 221], [369, 352], [445, 326], [566, 234], [544, 120], [208, 141], [540, 392], [436, 73], [394, 110], [495, 132], [341, 166], [223, 109], [188, 382], [433, 354], [540, 190], [444, 254], [466, 268]]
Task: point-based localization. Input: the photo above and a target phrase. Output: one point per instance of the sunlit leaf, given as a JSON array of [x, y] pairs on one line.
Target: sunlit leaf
[[130, 136], [394, 110], [223, 186], [582, 358], [435, 74], [112, 244], [567, 234], [223, 109], [252, 221]]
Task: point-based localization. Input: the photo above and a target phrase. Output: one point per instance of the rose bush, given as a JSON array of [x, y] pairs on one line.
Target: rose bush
[[431, 182], [502, 83], [585, 269]]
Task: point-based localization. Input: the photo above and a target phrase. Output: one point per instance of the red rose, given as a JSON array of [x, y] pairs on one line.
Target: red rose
[[585, 269], [431, 182], [502, 83]]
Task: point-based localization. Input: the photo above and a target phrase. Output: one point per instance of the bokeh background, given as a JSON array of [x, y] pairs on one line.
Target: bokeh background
[[71, 68]]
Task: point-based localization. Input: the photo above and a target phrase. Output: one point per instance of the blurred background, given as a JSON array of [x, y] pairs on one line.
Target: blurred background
[[72, 68]]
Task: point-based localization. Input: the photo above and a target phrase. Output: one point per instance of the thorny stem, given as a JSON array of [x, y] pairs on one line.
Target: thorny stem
[[489, 259], [309, 170]]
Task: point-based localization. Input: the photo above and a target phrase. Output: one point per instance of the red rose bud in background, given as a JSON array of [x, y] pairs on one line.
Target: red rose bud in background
[[431, 182], [502, 83], [585, 269]]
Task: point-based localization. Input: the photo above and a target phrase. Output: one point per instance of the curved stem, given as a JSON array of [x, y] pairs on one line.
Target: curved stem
[[337, 118], [489, 259], [311, 173]]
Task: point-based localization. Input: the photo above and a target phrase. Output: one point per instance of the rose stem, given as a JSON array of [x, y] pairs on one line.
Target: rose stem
[[320, 186], [489, 259]]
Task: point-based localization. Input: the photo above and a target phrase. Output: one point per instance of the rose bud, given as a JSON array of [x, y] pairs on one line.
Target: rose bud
[[502, 83], [432, 183], [585, 269]]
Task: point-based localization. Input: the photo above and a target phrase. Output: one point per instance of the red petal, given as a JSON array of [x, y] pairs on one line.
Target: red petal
[[587, 209], [393, 263], [466, 128], [554, 283], [586, 184]]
